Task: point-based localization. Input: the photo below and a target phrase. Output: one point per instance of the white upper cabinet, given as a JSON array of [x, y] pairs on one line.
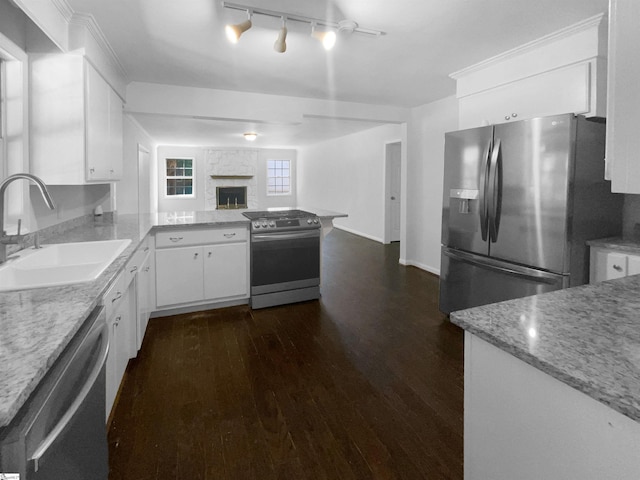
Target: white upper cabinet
[[559, 91], [76, 122], [564, 72], [623, 97]]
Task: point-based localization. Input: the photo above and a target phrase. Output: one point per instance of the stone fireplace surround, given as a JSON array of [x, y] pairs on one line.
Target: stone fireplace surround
[[231, 168]]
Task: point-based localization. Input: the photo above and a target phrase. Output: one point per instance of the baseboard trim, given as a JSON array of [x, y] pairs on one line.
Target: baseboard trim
[[360, 234]]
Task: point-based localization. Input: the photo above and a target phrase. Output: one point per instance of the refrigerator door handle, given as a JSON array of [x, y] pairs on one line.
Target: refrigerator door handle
[[494, 189], [503, 267], [483, 192]]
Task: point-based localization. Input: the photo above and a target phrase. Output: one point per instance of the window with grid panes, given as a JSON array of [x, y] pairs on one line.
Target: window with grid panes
[[278, 177], [179, 175]]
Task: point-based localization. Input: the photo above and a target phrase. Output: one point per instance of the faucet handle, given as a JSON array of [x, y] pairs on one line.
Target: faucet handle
[[19, 225]]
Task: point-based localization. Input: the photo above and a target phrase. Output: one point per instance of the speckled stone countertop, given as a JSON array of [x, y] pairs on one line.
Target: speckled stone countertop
[[36, 325], [587, 337], [623, 244]]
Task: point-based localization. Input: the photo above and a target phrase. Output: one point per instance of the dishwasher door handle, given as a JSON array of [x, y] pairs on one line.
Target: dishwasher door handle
[[100, 329]]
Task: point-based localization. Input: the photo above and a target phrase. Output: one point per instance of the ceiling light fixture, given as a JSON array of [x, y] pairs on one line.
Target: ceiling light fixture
[[280, 46], [328, 37], [234, 31], [250, 136]]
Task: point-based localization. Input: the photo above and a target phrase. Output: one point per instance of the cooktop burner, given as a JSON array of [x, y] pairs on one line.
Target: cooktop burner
[[271, 220]]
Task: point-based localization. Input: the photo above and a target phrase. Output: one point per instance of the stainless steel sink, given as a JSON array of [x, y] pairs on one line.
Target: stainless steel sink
[[59, 264]]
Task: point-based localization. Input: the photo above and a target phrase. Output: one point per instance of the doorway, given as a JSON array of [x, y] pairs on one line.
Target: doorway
[[393, 167]]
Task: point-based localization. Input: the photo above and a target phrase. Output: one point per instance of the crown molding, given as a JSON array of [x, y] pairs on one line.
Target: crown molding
[[586, 24], [89, 23], [64, 8]]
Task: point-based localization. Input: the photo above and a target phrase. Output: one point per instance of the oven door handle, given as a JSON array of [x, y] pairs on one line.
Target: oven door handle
[[270, 237]]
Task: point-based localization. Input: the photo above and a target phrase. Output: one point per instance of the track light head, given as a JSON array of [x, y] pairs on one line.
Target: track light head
[[280, 45], [234, 31], [327, 38]]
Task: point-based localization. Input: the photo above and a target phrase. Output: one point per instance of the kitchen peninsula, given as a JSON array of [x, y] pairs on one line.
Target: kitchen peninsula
[[38, 324], [552, 384]]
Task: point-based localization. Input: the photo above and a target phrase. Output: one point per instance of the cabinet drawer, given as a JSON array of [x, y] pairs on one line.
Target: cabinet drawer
[[114, 294], [181, 238]]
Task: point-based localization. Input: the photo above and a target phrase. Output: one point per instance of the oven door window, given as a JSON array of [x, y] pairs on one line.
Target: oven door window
[[278, 258]]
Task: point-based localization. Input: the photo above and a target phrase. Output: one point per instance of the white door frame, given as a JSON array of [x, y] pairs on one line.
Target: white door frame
[[387, 189]]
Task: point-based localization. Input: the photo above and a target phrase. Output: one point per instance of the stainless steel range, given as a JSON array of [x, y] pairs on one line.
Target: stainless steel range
[[285, 257]]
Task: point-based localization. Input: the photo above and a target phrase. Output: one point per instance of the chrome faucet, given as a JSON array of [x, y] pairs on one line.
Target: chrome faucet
[[16, 239]]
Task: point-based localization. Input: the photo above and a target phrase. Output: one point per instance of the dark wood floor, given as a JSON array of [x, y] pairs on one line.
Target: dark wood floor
[[365, 383]]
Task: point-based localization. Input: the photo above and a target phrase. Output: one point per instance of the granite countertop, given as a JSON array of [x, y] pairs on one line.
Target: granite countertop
[[587, 337], [38, 324], [623, 244]]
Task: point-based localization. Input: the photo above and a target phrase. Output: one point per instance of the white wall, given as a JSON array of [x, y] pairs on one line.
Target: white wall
[[347, 175], [425, 169], [198, 203], [127, 189]]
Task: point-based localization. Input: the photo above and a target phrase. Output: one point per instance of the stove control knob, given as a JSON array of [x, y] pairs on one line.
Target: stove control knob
[[264, 224], [256, 225], [315, 220], [272, 224], [309, 221]]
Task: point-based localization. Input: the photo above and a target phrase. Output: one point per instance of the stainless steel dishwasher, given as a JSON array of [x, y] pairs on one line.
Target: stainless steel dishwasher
[[60, 432]]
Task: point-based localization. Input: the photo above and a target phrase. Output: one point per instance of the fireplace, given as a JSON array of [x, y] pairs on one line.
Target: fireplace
[[231, 197]]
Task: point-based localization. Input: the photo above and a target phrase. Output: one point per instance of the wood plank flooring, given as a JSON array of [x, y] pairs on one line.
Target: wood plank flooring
[[366, 383]]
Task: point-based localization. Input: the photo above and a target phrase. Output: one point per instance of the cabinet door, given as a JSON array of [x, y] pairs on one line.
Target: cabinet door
[[559, 91], [616, 265], [633, 265], [225, 271], [111, 385], [179, 275], [623, 96], [97, 128], [115, 157], [144, 299]]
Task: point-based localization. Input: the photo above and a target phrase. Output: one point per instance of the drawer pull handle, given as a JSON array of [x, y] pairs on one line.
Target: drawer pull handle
[[117, 320], [117, 297], [617, 268], [133, 269], [195, 255], [229, 235], [147, 269], [175, 239], [209, 255]]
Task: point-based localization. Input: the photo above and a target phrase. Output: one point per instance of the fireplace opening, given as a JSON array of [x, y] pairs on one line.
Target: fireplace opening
[[231, 197]]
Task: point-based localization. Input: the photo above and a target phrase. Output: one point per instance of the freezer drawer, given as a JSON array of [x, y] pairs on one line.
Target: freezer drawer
[[468, 280]]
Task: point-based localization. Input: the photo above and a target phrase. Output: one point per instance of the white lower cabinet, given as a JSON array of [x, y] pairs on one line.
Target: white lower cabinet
[[607, 264], [119, 303], [200, 266], [179, 275], [146, 297], [224, 270]]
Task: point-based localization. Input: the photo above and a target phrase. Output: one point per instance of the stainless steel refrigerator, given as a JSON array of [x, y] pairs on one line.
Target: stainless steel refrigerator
[[520, 200]]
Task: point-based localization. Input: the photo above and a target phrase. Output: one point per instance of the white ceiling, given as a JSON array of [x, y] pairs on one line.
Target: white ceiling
[[183, 43]]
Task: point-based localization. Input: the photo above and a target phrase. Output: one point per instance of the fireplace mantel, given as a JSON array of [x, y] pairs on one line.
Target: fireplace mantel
[[231, 177]]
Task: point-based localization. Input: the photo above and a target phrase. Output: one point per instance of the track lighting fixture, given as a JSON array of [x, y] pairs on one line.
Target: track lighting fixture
[[280, 46], [322, 30], [234, 31]]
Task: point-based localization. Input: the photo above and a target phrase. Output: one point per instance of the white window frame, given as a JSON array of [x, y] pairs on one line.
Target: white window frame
[[269, 177], [192, 177]]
